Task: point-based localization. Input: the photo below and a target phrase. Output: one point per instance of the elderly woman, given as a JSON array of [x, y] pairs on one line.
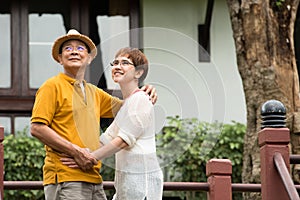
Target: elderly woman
[[131, 136]]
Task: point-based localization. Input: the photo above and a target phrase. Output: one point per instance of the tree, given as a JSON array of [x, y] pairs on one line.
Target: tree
[[263, 33]]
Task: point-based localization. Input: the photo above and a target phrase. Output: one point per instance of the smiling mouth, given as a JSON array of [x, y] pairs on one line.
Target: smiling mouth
[[118, 72], [74, 58]]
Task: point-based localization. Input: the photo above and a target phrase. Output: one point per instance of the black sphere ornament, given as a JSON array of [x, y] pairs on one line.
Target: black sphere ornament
[[273, 114]]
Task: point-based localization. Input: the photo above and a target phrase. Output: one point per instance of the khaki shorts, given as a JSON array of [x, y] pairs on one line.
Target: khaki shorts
[[74, 191]]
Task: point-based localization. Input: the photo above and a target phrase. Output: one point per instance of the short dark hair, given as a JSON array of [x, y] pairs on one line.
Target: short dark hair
[[138, 58]]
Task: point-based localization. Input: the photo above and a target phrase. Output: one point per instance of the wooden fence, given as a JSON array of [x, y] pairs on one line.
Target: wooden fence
[[276, 183]]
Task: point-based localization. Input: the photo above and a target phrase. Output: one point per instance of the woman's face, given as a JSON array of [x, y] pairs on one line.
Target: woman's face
[[123, 70]]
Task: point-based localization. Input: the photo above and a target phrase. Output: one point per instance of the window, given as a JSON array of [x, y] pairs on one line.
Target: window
[[28, 30], [5, 70], [114, 34], [43, 30], [6, 123]]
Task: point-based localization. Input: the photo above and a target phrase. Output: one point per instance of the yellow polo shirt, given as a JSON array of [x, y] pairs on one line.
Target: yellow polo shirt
[[61, 105]]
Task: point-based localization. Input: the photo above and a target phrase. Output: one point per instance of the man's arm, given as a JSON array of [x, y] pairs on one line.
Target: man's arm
[[151, 91], [103, 152], [50, 138]]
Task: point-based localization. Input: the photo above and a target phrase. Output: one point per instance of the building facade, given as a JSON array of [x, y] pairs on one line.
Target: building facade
[[189, 45]]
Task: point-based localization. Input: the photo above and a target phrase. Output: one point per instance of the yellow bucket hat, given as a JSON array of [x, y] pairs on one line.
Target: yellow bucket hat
[[73, 35]]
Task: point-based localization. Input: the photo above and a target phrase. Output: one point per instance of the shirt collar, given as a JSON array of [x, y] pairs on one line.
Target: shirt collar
[[69, 79]]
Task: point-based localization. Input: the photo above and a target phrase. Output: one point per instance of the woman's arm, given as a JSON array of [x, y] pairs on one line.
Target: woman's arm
[[109, 149], [105, 151]]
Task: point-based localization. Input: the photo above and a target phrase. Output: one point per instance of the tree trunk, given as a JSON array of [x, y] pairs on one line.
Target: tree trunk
[[263, 34]]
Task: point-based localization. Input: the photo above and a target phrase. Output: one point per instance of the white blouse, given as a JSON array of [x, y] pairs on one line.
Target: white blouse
[[138, 175]]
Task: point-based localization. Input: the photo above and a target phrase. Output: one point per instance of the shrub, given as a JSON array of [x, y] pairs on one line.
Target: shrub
[[23, 161], [186, 145]]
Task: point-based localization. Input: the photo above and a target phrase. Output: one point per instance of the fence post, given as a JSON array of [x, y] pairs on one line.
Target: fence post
[[273, 138], [1, 162], [219, 173]]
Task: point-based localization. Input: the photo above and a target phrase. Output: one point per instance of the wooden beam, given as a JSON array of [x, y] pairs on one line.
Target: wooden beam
[[8, 104], [135, 39]]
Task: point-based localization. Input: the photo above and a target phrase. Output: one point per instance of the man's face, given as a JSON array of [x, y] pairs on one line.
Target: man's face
[[74, 55]]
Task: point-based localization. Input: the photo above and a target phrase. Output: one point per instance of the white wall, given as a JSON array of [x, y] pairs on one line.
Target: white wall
[[224, 57], [209, 91]]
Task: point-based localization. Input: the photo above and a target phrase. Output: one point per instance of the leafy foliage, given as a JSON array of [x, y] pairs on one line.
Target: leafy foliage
[[279, 2], [107, 172], [186, 145], [23, 161]]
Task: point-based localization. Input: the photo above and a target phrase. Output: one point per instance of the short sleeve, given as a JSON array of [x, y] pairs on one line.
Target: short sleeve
[[110, 105], [44, 105], [137, 117], [109, 134]]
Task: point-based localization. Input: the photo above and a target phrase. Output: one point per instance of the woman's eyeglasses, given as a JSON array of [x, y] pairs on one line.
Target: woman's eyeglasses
[[123, 63]]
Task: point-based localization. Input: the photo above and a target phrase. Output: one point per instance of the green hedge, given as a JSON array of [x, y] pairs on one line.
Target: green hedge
[[184, 146], [23, 161]]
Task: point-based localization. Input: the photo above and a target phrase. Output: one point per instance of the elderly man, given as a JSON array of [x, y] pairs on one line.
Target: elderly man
[[66, 118]]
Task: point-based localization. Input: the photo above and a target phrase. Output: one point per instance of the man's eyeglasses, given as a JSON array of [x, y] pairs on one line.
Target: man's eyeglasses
[[70, 48], [124, 63]]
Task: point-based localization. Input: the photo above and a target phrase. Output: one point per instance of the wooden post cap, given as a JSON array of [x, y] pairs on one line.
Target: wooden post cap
[[218, 167]]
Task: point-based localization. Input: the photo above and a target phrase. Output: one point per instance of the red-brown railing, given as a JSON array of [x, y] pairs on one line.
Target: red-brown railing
[[273, 144], [285, 176]]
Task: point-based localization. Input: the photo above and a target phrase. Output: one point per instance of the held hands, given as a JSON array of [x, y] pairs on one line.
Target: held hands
[[81, 159], [151, 91]]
